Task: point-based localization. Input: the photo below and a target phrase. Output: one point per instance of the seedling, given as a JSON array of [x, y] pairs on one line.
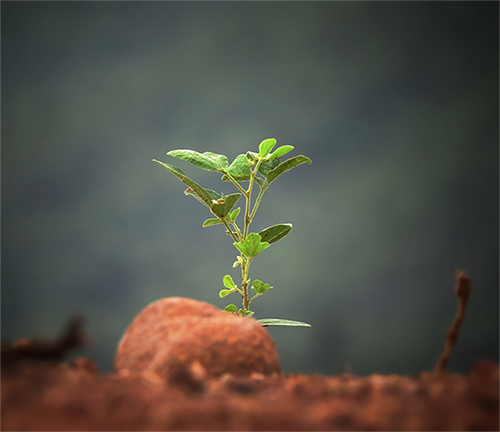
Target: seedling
[[260, 169]]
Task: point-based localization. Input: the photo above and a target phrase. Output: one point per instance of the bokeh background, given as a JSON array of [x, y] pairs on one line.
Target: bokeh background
[[396, 103]]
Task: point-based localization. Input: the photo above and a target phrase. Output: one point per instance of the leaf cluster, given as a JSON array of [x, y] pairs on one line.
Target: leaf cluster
[[261, 168]]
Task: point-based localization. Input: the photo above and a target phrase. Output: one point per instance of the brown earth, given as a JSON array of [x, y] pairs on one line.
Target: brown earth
[[55, 396], [175, 332], [220, 372]]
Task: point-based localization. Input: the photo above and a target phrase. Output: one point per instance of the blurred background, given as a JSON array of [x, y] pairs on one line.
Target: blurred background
[[395, 103]]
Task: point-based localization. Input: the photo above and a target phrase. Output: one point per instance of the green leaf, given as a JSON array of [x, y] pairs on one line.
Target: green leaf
[[214, 196], [260, 182], [275, 232], [223, 293], [252, 246], [245, 312], [239, 169], [286, 166], [266, 146], [210, 222], [281, 151], [234, 214], [219, 159], [203, 195], [224, 204], [252, 157], [267, 166], [231, 308], [282, 322], [229, 282], [260, 287], [208, 161]]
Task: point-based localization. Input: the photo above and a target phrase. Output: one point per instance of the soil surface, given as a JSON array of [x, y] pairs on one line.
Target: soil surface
[[54, 395]]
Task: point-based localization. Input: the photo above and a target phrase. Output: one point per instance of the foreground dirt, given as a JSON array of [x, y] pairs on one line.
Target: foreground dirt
[[41, 395]]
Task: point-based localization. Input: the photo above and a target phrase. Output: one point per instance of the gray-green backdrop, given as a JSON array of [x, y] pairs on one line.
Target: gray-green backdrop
[[396, 103]]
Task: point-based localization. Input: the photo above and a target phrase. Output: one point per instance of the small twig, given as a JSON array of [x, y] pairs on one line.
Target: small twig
[[462, 291]]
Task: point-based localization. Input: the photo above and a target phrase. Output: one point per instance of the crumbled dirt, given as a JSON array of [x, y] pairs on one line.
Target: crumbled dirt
[[51, 395], [183, 387]]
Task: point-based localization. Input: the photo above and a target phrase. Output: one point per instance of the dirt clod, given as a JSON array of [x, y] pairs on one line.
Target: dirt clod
[[171, 335]]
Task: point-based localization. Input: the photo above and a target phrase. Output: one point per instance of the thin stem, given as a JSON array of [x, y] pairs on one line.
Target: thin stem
[[257, 202], [245, 265], [237, 231], [247, 208], [229, 231], [233, 180], [248, 217], [462, 291], [248, 220]]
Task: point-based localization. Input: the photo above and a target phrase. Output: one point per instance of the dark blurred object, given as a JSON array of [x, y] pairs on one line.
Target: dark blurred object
[[73, 336]]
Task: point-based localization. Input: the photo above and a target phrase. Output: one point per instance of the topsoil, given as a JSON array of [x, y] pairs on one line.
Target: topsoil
[[53, 395]]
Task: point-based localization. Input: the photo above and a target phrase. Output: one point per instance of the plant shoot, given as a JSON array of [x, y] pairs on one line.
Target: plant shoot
[[258, 170]]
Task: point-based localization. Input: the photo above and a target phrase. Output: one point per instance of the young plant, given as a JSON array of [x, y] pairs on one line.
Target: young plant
[[257, 169]]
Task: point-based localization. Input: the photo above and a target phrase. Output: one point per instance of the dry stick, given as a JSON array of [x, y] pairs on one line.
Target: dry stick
[[462, 290]]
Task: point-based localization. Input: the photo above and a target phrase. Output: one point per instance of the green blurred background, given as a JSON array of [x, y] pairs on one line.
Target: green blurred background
[[396, 103]]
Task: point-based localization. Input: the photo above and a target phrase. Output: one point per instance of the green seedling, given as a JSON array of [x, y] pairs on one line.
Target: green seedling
[[255, 168]]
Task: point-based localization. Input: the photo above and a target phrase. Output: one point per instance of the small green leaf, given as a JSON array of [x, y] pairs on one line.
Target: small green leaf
[[286, 166], [260, 287], [260, 182], [275, 232], [225, 292], [231, 308], [210, 222], [266, 146], [208, 161], [234, 214], [281, 151], [252, 246], [282, 322], [224, 204], [203, 195], [239, 169], [252, 157], [245, 312], [228, 282]]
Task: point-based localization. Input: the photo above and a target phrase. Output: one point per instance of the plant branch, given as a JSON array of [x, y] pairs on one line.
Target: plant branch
[[257, 202], [248, 216], [244, 285], [229, 231], [237, 231], [232, 179], [462, 291], [247, 209]]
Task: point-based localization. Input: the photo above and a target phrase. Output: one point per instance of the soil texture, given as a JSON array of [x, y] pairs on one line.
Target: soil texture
[[56, 396]]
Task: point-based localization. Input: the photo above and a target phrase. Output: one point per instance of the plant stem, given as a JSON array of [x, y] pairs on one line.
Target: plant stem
[[245, 265], [229, 231], [245, 262], [232, 179], [462, 291], [248, 216], [257, 202], [237, 231], [247, 208]]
